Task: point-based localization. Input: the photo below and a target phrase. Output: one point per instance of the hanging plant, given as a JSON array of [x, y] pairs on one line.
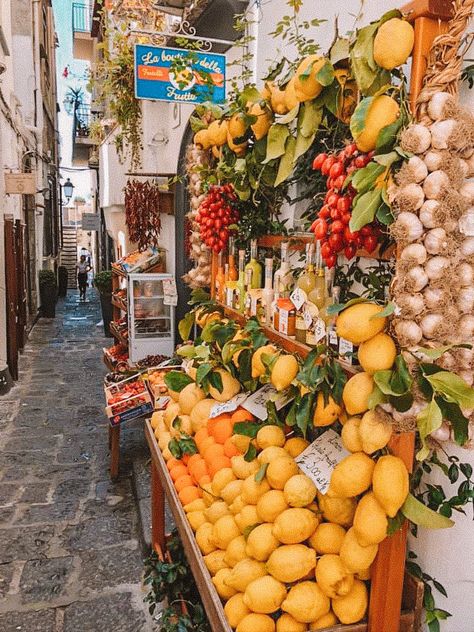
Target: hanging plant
[[142, 213]]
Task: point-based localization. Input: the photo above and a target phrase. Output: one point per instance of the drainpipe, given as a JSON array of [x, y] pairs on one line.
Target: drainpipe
[[38, 124]]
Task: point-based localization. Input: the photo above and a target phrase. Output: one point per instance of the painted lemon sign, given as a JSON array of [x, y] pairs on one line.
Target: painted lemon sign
[[177, 75]]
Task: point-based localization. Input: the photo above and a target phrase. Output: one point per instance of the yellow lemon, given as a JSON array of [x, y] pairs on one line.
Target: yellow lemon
[[291, 562], [353, 606], [356, 393], [201, 138], [253, 622], [270, 436], [374, 432], [325, 414], [299, 491], [382, 111], [231, 491], [295, 446], [235, 610], [270, 454], [230, 387], [216, 511], [196, 505], [284, 372], [286, 623], [224, 531], [243, 468], [200, 413], [221, 479], [347, 95], [291, 100], [245, 572], [236, 126], [350, 435], [235, 551], [252, 490], [215, 561], [295, 525], [356, 558], [217, 132], [157, 417], [264, 595], [326, 621], [278, 101], [207, 495], [189, 397], [196, 519], [172, 411], [332, 576], [261, 542], [377, 353], [280, 470], [390, 483], [181, 425], [328, 538], [306, 85], [164, 439], [264, 120], [270, 505], [370, 521], [351, 476], [238, 149], [360, 322], [247, 517], [258, 368], [393, 43], [306, 602], [219, 581], [237, 504], [204, 538]]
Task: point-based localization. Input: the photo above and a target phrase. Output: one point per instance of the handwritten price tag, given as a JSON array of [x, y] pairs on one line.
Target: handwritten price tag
[[298, 298], [321, 457], [162, 402], [257, 402], [227, 407]]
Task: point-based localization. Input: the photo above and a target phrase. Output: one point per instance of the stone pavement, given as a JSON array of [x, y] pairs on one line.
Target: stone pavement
[[70, 556]]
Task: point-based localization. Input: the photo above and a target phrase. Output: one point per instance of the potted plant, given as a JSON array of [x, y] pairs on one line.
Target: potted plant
[[48, 287], [62, 281], [103, 283]]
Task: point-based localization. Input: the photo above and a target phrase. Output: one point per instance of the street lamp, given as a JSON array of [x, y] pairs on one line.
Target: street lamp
[[68, 189]]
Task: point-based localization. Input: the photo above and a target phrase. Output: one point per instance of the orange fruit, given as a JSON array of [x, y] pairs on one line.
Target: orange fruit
[[218, 463], [183, 481], [242, 415], [198, 469], [204, 479], [212, 452], [185, 458], [193, 459], [199, 437], [229, 448], [189, 493], [172, 463], [177, 471], [222, 430], [206, 444]]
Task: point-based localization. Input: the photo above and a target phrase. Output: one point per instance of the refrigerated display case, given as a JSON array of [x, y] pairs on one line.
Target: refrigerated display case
[[151, 319]]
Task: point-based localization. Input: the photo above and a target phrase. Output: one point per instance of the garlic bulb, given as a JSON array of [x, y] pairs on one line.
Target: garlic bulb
[[465, 274], [416, 139], [436, 267], [409, 225], [432, 297], [417, 278], [435, 241], [433, 160], [440, 133], [466, 299], [467, 191], [408, 332], [429, 325], [410, 304], [435, 184], [418, 168], [464, 357], [412, 196], [415, 253], [467, 247], [468, 377], [466, 327], [439, 103], [427, 213], [466, 222], [447, 361]]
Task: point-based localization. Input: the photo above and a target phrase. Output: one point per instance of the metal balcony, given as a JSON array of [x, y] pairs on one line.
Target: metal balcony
[[81, 30], [81, 140]]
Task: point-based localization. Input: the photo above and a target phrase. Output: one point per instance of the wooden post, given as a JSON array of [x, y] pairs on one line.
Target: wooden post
[[157, 511], [114, 442], [213, 274]]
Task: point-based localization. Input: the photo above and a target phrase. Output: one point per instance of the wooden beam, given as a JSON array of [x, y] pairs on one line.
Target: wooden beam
[[435, 9]]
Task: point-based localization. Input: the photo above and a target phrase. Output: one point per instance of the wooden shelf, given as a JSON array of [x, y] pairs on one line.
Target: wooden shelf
[[117, 335], [289, 344], [412, 592], [116, 302], [107, 362]]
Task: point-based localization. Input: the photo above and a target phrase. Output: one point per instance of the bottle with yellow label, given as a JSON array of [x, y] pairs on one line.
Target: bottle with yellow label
[[220, 278], [233, 272], [254, 266], [239, 292]]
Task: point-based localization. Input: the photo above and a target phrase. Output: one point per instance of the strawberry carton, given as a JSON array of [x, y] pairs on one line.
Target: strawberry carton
[[127, 399]]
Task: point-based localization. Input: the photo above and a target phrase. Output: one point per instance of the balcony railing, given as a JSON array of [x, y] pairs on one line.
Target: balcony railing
[[82, 17], [82, 121]]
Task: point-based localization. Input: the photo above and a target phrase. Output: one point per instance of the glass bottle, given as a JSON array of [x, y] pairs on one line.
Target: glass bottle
[[318, 294], [254, 266], [284, 276], [267, 294], [233, 272], [307, 280], [248, 273], [220, 278], [239, 292]]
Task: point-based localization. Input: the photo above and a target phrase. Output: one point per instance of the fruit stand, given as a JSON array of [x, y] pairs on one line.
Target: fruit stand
[[267, 346]]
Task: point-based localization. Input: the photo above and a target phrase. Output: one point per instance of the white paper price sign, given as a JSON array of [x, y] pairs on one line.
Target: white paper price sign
[[321, 457], [170, 292], [298, 298], [257, 402], [227, 407], [162, 402]]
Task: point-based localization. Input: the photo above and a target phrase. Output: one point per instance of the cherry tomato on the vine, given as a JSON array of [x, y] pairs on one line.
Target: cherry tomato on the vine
[[318, 161]]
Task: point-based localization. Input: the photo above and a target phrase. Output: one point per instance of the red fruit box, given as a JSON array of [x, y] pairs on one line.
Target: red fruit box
[[127, 400]]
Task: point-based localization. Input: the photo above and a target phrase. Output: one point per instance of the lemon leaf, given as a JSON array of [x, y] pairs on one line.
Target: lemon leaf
[[303, 143], [423, 516], [290, 116], [428, 420], [359, 116], [437, 352], [177, 380], [339, 50], [260, 475], [453, 387], [325, 75], [276, 140], [364, 211], [185, 325], [376, 397], [309, 119], [286, 162], [246, 428]]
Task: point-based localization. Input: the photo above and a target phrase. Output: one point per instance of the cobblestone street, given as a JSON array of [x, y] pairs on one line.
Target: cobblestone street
[[70, 555]]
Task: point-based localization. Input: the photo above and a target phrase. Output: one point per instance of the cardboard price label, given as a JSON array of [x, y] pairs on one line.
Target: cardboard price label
[[170, 292], [321, 457], [227, 407], [298, 297], [257, 402]]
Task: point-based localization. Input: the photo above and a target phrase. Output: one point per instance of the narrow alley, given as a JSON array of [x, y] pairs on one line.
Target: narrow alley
[[70, 559]]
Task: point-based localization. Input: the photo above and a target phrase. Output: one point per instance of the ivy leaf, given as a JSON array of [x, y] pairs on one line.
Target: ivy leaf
[[428, 420], [459, 423], [286, 161], [276, 140], [185, 325], [177, 380], [420, 514], [453, 388], [359, 116], [260, 475], [365, 209]]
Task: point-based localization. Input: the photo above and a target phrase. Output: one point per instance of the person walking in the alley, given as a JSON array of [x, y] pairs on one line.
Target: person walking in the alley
[[82, 267]]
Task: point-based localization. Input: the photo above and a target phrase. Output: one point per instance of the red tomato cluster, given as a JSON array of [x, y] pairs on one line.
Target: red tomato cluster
[[130, 389], [331, 227], [216, 213], [121, 407]]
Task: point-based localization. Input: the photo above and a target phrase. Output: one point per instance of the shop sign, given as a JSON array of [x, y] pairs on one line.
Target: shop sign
[[321, 457], [20, 183], [203, 79], [90, 221]]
